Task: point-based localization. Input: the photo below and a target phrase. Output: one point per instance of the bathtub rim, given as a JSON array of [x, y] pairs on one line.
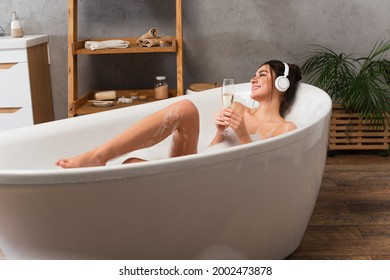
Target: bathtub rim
[[166, 165]]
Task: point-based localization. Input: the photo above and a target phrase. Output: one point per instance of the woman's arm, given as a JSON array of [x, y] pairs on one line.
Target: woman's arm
[[218, 138]]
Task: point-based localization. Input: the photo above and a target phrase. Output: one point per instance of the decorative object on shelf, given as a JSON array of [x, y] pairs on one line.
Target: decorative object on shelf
[[16, 28], [161, 88], [101, 103], [107, 44], [134, 95], [125, 100], [362, 85], [165, 42], [143, 97]]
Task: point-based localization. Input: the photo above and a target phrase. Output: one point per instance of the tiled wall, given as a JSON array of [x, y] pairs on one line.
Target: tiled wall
[[222, 38]]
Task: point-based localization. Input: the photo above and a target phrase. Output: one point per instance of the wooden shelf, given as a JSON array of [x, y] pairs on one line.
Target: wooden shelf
[[82, 107], [78, 47]]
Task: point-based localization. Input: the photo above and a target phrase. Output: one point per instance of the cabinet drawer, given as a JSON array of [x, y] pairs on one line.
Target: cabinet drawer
[[15, 117], [13, 55], [15, 85]]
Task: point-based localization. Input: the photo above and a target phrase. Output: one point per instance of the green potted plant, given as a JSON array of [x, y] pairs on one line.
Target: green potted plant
[[360, 89]]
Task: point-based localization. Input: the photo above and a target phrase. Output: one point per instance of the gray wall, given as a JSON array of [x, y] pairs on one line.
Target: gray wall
[[223, 38]]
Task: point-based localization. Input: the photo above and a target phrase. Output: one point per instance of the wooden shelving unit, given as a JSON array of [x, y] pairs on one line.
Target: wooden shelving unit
[[79, 105]]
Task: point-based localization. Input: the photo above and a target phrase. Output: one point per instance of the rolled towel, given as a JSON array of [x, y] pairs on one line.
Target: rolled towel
[[149, 42], [151, 34], [108, 44], [105, 95]]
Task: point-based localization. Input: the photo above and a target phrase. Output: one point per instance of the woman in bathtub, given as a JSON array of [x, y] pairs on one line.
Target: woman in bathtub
[[273, 86]]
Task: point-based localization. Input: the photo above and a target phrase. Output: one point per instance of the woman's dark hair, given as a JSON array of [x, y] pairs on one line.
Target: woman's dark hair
[[294, 76]]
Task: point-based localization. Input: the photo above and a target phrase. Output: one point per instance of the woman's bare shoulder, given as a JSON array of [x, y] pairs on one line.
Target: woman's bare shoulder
[[238, 106], [284, 127], [288, 126], [242, 108]]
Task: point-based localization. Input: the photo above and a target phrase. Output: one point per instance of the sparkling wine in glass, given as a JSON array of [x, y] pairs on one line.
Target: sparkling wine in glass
[[227, 95]]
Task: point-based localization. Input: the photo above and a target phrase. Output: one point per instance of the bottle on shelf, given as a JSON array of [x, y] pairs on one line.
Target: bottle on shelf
[[161, 87], [16, 28]]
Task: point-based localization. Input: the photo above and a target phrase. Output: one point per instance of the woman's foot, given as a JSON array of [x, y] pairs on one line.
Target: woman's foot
[[88, 159]]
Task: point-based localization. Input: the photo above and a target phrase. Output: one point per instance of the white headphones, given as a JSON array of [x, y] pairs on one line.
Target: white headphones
[[282, 83]]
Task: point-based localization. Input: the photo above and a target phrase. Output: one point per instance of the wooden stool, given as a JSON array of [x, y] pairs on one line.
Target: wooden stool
[[202, 86]]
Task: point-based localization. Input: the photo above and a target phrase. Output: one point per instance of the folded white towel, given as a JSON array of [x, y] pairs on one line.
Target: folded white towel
[[108, 44]]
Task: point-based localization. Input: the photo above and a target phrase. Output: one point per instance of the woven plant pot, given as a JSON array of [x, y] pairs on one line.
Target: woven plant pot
[[348, 131]]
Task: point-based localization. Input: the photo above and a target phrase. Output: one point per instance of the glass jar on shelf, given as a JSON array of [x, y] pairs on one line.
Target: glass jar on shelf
[[161, 87]]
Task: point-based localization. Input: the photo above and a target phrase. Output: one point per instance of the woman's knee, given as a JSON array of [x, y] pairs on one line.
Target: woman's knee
[[188, 109], [183, 114]]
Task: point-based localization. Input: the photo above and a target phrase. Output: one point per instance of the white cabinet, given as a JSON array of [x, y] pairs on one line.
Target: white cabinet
[[25, 91]]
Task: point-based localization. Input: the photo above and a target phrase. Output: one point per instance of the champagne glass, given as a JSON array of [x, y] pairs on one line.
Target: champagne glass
[[227, 94]]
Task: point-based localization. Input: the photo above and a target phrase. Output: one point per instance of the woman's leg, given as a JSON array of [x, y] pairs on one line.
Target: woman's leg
[[180, 118]]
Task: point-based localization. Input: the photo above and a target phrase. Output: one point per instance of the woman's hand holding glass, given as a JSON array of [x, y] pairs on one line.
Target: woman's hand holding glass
[[227, 97], [234, 119], [229, 117], [222, 120]]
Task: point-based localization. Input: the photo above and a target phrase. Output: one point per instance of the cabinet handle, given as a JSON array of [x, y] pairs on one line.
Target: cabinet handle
[[9, 110], [6, 65]]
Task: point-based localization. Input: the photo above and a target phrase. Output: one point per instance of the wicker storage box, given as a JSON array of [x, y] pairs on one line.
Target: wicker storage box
[[349, 132]]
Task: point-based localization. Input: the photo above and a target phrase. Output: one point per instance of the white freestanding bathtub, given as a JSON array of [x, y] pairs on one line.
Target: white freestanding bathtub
[[252, 201]]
